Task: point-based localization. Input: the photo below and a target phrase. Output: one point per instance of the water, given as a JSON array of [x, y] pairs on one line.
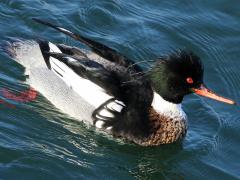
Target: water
[[39, 142]]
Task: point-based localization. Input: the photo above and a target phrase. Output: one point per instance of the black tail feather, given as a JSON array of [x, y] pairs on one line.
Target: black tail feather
[[9, 47], [63, 30], [100, 49]]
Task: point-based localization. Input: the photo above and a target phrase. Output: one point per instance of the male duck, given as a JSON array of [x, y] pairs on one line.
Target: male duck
[[110, 91]]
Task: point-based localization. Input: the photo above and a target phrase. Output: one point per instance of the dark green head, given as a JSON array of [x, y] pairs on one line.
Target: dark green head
[[175, 75], [180, 74]]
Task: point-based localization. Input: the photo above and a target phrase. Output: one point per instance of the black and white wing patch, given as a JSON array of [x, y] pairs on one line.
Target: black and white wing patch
[[107, 114]]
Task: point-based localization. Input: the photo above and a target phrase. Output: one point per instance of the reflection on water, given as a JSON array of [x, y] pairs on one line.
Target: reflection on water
[[150, 166]]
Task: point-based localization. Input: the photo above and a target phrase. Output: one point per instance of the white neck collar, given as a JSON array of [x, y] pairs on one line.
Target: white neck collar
[[167, 108]]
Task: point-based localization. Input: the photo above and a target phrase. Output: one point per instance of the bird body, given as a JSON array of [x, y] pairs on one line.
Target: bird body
[[106, 89]]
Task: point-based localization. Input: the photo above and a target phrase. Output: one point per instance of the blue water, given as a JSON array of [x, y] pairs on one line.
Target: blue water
[[37, 141]]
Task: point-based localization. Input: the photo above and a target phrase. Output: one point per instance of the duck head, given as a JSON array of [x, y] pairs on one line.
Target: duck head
[[179, 74]]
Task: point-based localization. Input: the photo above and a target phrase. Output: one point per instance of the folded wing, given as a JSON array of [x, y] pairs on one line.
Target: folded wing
[[100, 49]]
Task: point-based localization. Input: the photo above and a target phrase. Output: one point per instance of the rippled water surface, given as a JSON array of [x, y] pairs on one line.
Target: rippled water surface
[[37, 141]]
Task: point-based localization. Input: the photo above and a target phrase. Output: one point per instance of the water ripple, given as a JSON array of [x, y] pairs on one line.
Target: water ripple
[[38, 141]]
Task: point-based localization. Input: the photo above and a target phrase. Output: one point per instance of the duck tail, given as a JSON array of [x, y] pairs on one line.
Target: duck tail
[[7, 47], [73, 35], [25, 52]]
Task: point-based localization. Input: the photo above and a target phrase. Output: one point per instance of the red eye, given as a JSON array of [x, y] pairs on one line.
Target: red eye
[[189, 80]]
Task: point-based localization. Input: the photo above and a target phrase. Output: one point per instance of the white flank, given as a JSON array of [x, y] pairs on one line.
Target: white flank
[[89, 91]]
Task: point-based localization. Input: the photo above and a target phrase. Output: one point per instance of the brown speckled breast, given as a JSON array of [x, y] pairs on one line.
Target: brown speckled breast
[[164, 129]]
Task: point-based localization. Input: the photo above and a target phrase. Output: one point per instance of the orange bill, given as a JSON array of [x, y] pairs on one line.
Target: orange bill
[[203, 91]]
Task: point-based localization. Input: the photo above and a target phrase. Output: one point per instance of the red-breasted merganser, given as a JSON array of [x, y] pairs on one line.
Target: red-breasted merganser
[[110, 91]]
